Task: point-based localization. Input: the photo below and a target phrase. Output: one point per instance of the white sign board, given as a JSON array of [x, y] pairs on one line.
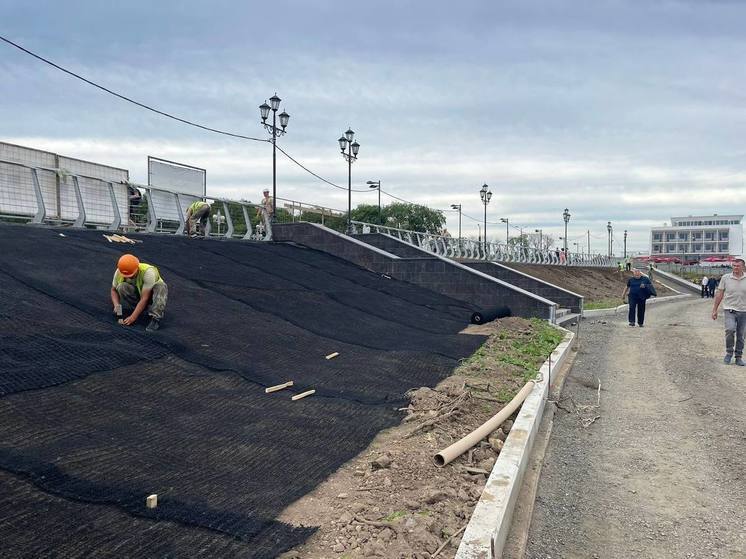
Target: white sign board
[[189, 181]]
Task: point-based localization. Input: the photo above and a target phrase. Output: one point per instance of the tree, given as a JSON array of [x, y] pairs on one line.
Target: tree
[[368, 213], [413, 217], [539, 241]]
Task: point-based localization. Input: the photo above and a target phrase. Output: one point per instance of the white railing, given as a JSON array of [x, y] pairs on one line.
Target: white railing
[[469, 249], [53, 196]]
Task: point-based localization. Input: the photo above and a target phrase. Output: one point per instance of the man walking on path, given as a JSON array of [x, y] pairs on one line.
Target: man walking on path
[[703, 283], [136, 284], [640, 289], [732, 292], [197, 212]]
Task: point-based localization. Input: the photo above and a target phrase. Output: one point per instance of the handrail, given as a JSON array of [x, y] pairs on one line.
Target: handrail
[[470, 249]]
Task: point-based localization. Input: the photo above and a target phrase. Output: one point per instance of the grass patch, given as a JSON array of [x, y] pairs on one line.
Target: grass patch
[[396, 515], [602, 304], [512, 356]]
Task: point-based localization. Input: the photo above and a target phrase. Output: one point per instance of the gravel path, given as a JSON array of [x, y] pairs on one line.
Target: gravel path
[[662, 472]]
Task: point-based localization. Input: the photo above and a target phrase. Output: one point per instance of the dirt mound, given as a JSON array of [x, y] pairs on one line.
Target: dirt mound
[[596, 285]]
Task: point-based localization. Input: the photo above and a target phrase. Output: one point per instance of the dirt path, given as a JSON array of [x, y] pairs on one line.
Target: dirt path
[[661, 473]]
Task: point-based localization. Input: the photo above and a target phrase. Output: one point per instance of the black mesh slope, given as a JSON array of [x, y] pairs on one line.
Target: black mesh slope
[[95, 416]]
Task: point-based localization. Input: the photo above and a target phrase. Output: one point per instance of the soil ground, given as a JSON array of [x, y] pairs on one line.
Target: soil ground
[[659, 473], [392, 501], [601, 287]]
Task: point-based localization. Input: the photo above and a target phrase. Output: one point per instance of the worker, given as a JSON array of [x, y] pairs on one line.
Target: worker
[[266, 211], [136, 284], [197, 213]]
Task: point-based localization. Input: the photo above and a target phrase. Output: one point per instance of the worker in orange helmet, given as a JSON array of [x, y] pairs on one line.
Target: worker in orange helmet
[[136, 285]]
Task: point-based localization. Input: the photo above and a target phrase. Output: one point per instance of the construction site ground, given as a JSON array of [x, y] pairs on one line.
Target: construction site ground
[[392, 501], [600, 287], [94, 416]]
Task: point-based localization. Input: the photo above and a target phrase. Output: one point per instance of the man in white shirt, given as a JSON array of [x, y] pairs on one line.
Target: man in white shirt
[[703, 283], [732, 292]]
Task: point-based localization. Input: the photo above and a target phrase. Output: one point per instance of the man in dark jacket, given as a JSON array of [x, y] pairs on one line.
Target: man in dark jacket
[[712, 283], [640, 289]]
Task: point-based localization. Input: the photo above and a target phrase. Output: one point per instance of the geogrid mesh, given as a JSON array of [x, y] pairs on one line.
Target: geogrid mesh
[[182, 413]]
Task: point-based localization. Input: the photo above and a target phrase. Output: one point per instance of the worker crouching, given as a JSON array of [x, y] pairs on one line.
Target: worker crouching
[[196, 218], [135, 285]]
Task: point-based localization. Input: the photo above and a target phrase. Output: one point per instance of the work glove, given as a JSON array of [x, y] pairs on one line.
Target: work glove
[[118, 310]]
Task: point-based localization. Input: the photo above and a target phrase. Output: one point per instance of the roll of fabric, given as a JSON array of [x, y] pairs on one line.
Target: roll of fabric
[[488, 315]]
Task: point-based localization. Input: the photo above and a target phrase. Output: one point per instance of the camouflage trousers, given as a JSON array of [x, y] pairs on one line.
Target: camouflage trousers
[[129, 297], [199, 217]]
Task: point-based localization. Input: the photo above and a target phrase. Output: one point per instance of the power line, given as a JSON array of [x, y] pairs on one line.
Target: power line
[[306, 169], [128, 99]]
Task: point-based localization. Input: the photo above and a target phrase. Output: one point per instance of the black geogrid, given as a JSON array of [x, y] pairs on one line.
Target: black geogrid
[[173, 413]]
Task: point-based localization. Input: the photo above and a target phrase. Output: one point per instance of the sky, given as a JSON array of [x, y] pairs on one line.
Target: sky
[[623, 111]]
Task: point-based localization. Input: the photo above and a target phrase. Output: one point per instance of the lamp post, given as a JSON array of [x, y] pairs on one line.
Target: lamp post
[[486, 195], [541, 238], [608, 229], [566, 218], [377, 184], [506, 221], [458, 207], [479, 232], [346, 143], [272, 129], [625, 243]]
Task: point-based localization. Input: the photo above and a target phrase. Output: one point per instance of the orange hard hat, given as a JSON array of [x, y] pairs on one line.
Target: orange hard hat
[[128, 265]]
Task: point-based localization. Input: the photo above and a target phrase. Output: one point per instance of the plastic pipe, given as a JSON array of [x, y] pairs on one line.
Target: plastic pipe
[[449, 454]]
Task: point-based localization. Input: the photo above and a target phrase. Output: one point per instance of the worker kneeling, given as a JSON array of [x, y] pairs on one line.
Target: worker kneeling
[[136, 284]]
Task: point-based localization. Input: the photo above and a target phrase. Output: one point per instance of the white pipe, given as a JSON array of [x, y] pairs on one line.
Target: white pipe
[[449, 454]]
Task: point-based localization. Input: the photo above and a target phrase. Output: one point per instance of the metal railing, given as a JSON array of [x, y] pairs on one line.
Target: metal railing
[[478, 250], [53, 196]]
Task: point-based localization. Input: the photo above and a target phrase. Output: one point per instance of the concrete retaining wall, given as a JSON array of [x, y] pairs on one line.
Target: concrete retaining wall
[[433, 272], [566, 299]]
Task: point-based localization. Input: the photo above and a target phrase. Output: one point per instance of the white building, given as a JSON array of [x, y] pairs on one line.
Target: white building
[[696, 237]]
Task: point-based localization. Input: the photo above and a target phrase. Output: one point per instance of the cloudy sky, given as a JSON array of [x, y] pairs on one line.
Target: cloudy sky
[[629, 111]]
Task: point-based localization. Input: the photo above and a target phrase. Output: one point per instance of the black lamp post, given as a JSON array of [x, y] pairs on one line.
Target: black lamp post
[[486, 195], [377, 184], [609, 229], [506, 221], [346, 143], [458, 207], [566, 218], [272, 129], [541, 238], [625, 243]]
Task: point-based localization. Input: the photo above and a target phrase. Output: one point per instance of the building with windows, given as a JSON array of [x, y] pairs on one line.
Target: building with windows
[[697, 237]]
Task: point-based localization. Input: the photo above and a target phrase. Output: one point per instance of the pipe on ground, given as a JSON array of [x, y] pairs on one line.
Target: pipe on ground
[[449, 454]]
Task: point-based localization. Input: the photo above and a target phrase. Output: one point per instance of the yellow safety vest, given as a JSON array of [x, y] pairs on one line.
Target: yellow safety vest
[[139, 278], [196, 205]]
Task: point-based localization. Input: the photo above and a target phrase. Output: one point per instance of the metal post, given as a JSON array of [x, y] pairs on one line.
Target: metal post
[[41, 211], [349, 188], [625, 243], [247, 219], [80, 221], [485, 230], [179, 212], [228, 221], [380, 220], [115, 207], [274, 165]]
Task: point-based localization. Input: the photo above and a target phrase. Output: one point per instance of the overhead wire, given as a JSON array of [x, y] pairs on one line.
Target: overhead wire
[[222, 132]]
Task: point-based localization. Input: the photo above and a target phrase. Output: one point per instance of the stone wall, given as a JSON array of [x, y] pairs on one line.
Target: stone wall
[[563, 297], [431, 272]]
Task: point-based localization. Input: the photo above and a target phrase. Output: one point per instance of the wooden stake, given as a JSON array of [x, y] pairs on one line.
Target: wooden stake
[[277, 387], [108, 238], [303, 395], [332, 355]]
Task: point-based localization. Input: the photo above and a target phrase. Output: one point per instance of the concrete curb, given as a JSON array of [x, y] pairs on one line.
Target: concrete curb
[[612, 311], [489, 525]]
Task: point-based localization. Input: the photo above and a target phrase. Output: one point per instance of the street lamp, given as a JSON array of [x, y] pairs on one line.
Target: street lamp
[[609, 228], [625, 243], [458, 207], [346, 143], [486, 196], [566, 218], [506, 221], [275, 131], [377, 184], [541, 238]]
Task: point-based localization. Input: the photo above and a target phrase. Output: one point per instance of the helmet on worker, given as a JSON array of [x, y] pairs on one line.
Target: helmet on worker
[[128, 265]]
